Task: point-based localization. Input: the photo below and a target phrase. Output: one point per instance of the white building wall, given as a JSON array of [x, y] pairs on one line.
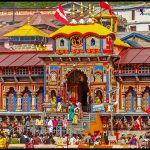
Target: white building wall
[[139, 18], [140, 27]]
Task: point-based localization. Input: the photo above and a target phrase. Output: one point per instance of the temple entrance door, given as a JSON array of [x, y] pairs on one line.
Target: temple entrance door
[[11, 100], [26, 100], [78, 87]]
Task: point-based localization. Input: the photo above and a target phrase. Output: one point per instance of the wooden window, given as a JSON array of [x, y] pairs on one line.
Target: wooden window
[[144, 69], [38, 71], [8, 71], [133, 14], [128, 69], [133, 28], [62, 42], [22, 71], [92, 42]]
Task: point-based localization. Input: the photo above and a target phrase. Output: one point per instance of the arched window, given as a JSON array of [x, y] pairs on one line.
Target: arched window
[[98, 77], [62, 42], [53, 76], [92, 42]]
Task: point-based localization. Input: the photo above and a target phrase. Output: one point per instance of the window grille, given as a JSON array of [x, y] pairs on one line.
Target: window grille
[[128, 69], [22, 71], [53, 76], [38, 70], [144, 69], [8, 71]]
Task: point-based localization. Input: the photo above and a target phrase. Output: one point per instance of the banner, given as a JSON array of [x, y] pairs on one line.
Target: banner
[[98, 107]]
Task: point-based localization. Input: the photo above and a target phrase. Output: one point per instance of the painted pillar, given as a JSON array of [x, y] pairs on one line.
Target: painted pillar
[[139, 98], [84, 45], [54, 45], [45, 83], [33, 101], [19, 101], [112, 24], [101, 46], [4, 102], [69, 46], [123, 101], [117, 96], [0, 96]]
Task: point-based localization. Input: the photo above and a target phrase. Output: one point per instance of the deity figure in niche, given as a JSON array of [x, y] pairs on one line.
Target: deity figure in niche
[[53, 99], [98, 99]]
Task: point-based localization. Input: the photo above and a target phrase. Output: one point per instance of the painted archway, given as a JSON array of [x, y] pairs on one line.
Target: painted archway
[[11, 101], [145, 103], [26, 100], [77, 85], [39, 99], [130, 100]]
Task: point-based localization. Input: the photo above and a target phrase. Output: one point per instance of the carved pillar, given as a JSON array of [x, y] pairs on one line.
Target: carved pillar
[[118, 96], [123, 102], [4, 102], [33, 101], [139, 98], [18, 102]]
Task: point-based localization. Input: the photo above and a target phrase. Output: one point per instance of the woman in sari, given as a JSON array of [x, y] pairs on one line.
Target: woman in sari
[[76, 116], [71, 111], [79, 106]]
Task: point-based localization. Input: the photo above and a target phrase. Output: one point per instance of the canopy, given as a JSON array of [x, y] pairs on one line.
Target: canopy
[[27, 30], [119, 42], [83, 29]]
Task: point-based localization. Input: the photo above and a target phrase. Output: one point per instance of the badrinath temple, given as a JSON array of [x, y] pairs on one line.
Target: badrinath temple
[[79, 58]]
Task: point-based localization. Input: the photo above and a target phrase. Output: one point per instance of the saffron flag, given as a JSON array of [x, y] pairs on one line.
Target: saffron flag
[[105, 5], [60, 15], [138, 123], [148, 111]]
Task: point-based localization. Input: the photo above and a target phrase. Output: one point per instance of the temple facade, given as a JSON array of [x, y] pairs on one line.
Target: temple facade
[[85, 57]]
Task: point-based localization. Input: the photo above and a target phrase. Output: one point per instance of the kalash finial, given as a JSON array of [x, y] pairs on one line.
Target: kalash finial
[[73, 21], [90, 20], [81, 21], [28, 20]]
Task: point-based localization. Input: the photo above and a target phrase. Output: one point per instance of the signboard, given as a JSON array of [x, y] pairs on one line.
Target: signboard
[[98, 107]]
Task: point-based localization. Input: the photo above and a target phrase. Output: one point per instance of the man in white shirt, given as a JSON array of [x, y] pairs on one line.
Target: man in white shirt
[[72, 140], [50, 125], [39, 124]]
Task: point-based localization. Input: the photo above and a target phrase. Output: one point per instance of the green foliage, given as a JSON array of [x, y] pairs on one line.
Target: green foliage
[[51, 4]]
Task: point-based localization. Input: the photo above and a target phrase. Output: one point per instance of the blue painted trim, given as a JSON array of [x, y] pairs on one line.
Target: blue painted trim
[[84, 45], [117, 75], [101, 46], [29, 100], [132, 100], [131, 43], [107, 86], [53, 67], [15, 101], [44, 80], [69, 46], [134, 34], [149, 99], [42, 99]]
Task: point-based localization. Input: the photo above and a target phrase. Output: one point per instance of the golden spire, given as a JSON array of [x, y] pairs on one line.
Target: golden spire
[[28, 20], [73, 11], [81, 10], [89, 10], [93, 10], [73, 21]]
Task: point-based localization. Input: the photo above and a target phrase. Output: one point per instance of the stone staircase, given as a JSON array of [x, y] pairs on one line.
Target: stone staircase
[[83, 124]]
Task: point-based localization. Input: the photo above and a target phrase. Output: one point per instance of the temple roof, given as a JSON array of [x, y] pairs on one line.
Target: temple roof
[[9, 59], [84, 30], [135, 56], [27, 30]]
